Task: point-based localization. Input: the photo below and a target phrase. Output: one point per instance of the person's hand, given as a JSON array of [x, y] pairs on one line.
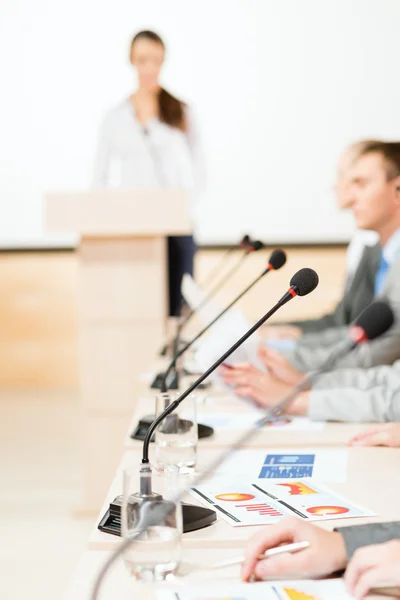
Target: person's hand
[[372, 566], [265, 389], [249, 382], [281, 332], [326, 554], [385, 434], [279, 366]]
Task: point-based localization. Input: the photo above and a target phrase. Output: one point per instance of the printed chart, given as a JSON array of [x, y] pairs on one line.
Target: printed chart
[[267, 502]]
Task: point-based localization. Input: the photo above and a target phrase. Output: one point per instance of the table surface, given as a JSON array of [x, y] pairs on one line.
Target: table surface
[[119, 585], [369, 477], [369, 472]]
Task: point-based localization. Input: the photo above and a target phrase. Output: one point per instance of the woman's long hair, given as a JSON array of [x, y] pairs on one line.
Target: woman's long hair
[[171, 110]]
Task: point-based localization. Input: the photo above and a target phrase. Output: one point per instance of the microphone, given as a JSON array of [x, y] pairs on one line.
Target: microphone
[[250, 248], [276, 261], [194, 517], [373, 322], [244, 243], [301, 284], [163, 382]]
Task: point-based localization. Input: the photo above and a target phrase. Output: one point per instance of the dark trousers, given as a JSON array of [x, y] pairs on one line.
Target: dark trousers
[[181, 251]]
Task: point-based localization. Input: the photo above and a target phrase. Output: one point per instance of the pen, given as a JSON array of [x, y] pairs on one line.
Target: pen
[[296, 547]]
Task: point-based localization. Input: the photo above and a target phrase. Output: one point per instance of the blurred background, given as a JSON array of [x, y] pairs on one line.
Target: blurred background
[[278, 90]]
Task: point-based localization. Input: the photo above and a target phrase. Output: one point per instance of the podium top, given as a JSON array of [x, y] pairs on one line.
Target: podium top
[[140, 212]]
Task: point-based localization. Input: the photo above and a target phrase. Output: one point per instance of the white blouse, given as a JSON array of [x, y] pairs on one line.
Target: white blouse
[[132, 155]]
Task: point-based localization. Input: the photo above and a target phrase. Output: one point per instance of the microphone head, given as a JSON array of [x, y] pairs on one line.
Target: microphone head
[[245, 241], [277, 259], [373, 322], [255, 246], [304, 281]]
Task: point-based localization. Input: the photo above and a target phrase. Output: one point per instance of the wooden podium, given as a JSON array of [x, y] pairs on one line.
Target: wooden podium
[[122, 308]]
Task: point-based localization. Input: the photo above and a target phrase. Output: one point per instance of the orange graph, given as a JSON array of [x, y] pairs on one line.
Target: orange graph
[[297, 595], [234, 497], [298, 488], [322, 511]]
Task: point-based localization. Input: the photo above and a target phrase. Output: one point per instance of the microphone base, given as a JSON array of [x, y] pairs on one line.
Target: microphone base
[[140, 431], [173, 385], [194, 517]]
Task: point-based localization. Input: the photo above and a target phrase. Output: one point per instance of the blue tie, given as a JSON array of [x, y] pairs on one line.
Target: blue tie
[[381, 275]]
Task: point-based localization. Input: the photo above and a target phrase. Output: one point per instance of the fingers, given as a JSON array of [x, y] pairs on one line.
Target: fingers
[[285, 564], [374, 577], [363, 559], [268, 537], [365, 434], [372, 437]]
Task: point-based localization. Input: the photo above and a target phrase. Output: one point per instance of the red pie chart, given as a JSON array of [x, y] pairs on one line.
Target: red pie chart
[[234, 497], [321, 511]]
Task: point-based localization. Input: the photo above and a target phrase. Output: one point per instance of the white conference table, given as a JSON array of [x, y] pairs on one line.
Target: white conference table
[[118, 585], [369, 479], [369, 482]]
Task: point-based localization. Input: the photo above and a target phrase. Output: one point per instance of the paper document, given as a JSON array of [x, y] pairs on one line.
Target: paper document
[[268, 501], [327, 465], [224, 333], [324, 589], [239, 421]]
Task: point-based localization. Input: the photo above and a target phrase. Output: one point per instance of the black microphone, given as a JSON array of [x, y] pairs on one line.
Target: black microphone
[[169, 379], [244, 243], [194, 517], [251, 247], [301, 284], [373, 322], [275, 262]]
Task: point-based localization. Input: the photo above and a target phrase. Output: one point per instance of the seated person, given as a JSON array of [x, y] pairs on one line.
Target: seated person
[[372, 194], [369, 553], [359, 241]]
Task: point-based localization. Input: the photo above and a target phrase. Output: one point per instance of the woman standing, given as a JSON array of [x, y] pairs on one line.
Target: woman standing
[[149, 140]]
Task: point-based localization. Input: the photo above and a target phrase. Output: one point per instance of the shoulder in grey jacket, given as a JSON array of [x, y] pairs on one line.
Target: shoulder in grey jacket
[[364, 535], [310, 354], [358, 294], [358, 395]]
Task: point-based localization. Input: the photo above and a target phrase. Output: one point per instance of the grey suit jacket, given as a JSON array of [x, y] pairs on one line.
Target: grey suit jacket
[[364, 535], [363, 395], [358, 294], [315, 348]]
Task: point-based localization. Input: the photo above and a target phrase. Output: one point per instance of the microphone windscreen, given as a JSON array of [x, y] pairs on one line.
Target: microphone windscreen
[[305, 281], [257, 245], [245, 241], [376, 319], [277, 259]]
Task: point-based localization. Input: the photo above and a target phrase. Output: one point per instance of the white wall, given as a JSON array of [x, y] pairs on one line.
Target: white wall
[[279, 88]]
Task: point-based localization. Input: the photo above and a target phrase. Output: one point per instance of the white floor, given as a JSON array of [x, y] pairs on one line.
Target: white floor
[[40, 537]]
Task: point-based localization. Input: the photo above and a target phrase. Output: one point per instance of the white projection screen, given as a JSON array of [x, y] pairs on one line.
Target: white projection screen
[[278, 88]]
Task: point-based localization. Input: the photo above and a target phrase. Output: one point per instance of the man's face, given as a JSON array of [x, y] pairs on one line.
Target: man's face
[[370, 195]]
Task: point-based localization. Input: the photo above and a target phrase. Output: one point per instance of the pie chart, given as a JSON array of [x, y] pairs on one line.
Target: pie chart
[[234, 497], [322, 511]]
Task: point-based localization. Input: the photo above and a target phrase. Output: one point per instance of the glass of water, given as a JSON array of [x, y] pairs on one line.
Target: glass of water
[[176, 437], [154, 524]]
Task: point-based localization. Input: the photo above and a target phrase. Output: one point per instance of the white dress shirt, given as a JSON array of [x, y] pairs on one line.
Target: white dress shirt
[[132, 155]]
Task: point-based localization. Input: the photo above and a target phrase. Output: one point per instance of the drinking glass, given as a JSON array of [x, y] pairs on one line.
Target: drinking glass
[[154, 524], [176, 437]]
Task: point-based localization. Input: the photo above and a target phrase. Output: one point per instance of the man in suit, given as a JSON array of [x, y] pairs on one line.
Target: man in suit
[[358, 182], [369, 553], [375, 200]]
